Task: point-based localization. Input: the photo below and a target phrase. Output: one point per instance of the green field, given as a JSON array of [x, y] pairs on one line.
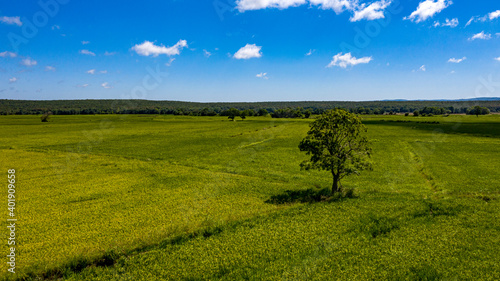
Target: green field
[[131, 197]]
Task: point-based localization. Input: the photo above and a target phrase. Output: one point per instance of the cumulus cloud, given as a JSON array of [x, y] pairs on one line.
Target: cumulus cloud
[[246, 5], [451, 23], [11, 20], [454, 60], [148, 48], [92, 71], [105, 85], [262, 75], [427, 9], [480, 35], [371, 12], [248, 52], [8, 54], [347, 59], [29, 62], [87, 52], [50, 68], [336, 5], [13, 80], [494, 15]]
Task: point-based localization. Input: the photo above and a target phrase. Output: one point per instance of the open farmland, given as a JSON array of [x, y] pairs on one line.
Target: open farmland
[[131, 197]]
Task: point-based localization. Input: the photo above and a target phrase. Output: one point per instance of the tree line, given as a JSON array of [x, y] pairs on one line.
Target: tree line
[[275, 109]]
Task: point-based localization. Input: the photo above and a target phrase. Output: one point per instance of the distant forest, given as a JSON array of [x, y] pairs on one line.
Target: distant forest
[[276, 109]]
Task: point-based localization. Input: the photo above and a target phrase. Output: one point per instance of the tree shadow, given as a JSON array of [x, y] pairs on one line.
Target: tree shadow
[[309, 196]]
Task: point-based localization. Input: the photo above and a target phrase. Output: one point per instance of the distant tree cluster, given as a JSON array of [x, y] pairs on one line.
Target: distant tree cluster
[[275, 109], [478, 110]]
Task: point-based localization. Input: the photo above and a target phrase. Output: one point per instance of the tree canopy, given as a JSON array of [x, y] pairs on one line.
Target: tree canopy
[[336, 144]]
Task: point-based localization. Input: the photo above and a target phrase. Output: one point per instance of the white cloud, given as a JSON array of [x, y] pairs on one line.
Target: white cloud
[[8, 54], [497, 59], [469, 22], [452, 72], [248, 52], [337, 5], [82, 86], [50, 68], [54, 27], [481, 35], [169, 63], [454, 60], [105, 85], [262, 75], [427, 9], [347, 59], [451, 23], [311, 51], [490, 16], [85, 42], [28, 62], [150, 49], [92, 71], [13, 80], [494, 15], [11, 20], [87, 52], [206, 53], [422, 68], [109, 53], [371, 12], [246, 5], [103, 71]]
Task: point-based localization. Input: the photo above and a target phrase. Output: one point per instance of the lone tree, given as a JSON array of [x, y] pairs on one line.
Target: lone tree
[[336, 144], [46, 116]]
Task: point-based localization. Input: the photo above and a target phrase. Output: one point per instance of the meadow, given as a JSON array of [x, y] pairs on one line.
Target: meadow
[[144, 197]]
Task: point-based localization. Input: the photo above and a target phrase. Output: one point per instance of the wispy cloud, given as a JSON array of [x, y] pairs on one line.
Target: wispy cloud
[[150, 49], [347, 59], [103, 71], [311, 51], [451, 23], [206, 53], [481, 35], [262, 75], [82, 86], [85, 42], [427, 9], [497, 59], [11, 20], [454, 60], [8, 54], [87, 52], [50, 68], [13, 80], [105, 85], [422, 68], [29, 62], [490, 16], [92, 71], [248, 51], [109, 53]]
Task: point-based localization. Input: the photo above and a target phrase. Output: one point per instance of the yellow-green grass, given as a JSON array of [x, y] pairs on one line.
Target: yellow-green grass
[[185, 197]]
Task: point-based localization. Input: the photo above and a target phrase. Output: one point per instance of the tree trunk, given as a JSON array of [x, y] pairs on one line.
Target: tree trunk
[[335, 186]]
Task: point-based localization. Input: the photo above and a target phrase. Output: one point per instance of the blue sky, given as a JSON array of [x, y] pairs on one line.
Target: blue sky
[[249, 50]]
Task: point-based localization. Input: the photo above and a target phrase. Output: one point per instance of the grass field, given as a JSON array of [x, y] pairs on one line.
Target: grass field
[[110, 197]]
